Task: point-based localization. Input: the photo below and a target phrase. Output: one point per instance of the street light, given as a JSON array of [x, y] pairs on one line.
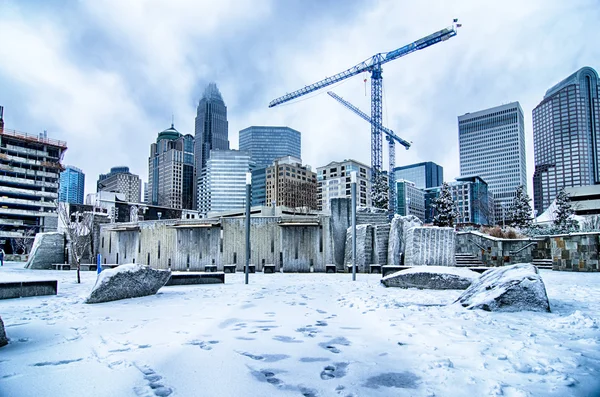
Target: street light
[[353, 185], [248, 186]]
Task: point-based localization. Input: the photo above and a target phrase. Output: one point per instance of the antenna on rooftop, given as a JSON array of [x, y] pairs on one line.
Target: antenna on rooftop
[[172, 120]]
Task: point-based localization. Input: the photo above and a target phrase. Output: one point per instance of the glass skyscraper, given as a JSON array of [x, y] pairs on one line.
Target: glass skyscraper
[[265, 144], [423, 175], [222, 184], [566, 126], [212, 129], [492, 146], [71, 185]]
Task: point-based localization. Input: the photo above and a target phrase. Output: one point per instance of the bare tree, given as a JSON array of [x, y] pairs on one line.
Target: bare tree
[[22, 245], [78, 230]]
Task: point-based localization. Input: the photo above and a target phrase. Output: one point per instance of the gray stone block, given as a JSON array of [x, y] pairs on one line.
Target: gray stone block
[[431, 277], [127, 281], [47, 249], [398, 230], [430, 246], [364, 247], [510, 289], [3, 338]]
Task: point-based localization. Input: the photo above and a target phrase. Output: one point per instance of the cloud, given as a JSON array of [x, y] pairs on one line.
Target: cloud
[[106, 75]]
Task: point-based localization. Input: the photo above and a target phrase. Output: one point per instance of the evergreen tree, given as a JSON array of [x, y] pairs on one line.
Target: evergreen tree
[[563, 216], [380, 192], [519, 212], [445, 207]]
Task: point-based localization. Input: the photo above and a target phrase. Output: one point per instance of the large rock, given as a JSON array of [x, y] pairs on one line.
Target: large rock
[[381, 235], [431, 277], [48, 248], [127, 281], [509, 288], [3, 338], [430, 246], [364, 247], [399, 227]]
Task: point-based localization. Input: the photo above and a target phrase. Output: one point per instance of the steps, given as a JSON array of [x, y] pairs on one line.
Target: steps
[[543, 263], [468, 260]]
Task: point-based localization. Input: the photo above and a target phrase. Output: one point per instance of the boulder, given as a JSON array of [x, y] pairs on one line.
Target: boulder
[[3, 338], [47, 249], [364, 247], [127, 281], [511, 288], [430, 246], [431, 277], [398, 228]]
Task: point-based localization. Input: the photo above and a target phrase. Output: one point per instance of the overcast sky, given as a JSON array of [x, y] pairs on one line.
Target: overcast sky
[[106, 75]]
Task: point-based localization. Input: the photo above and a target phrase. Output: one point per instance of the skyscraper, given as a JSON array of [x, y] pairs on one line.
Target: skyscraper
[[423, 175], [566, 126], [291, 184], [265, 144], [120, 180], [334, 180], [222, 183], [171, 170], [211, 128], [492, 146], [71, 185]]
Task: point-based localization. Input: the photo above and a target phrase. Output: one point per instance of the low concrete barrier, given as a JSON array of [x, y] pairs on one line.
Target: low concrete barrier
[[191, 278], [23, 289], [269, 268], [229, 268]]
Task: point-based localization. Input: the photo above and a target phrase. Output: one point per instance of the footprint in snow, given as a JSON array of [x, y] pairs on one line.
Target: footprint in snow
[[155, 384], [286, 339], [337, 370]]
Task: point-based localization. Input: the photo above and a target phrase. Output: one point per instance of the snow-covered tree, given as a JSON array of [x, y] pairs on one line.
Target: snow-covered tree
[[445, 207], [563, 220], [519, 212], [380, 192]]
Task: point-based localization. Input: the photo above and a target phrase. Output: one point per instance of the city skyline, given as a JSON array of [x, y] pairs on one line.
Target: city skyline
[[96, 77]]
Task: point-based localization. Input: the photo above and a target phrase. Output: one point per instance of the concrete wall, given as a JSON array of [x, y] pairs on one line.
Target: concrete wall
[[295, 245]]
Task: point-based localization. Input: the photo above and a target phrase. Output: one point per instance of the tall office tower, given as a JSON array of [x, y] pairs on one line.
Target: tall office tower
[[1, 118], [120, 180], [423, 175], [566, 137], [333, 180], [492, 146], [265, 144], [291, 184], [146, 193], [29, 182], [410, 200], [71, 185], [222, 183], [475, 203], [212, 130], [171, 170]]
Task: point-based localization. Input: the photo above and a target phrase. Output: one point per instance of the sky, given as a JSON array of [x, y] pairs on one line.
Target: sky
[[107, 76]]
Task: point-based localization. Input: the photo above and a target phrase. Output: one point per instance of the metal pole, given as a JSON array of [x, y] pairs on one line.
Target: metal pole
[[248, 186], [353, 185]]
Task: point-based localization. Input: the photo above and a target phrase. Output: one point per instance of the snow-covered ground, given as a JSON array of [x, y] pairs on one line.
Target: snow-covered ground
[[294, 335]]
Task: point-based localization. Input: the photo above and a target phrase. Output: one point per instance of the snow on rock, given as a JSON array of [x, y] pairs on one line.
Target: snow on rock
[[430, 246], [399, 227], [47, 249], [127, 281], [509, 288], [3, 338], [431, 277]]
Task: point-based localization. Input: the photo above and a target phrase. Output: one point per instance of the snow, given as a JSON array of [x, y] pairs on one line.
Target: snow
[[106, 274], [457, 271], [297, 334]]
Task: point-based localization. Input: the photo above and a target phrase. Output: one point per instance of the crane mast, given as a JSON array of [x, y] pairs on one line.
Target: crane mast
[[373, 65], [391, 137]]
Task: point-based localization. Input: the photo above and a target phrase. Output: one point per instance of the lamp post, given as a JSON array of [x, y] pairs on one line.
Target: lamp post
[[248, 186], [353, 186]]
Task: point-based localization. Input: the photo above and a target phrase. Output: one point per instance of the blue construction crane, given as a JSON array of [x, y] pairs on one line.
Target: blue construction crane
[[390, 137], [373, 65]]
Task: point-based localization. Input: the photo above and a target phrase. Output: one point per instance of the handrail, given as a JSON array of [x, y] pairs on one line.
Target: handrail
[[522, 248], [35, 138], [477, 244]]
